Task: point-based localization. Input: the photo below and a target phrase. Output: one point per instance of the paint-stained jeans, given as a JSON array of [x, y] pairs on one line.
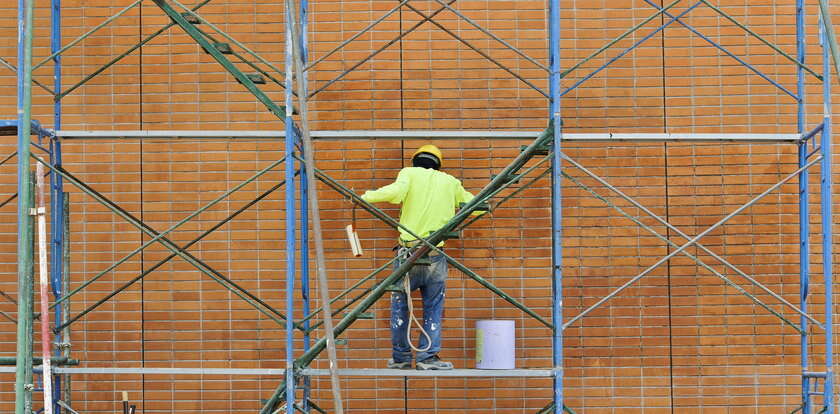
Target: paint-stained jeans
[[431, 280]]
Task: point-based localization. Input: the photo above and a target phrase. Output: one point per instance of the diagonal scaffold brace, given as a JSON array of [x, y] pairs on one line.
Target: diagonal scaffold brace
[[539, 145], [196, 34], [458, 265], [176, 250]]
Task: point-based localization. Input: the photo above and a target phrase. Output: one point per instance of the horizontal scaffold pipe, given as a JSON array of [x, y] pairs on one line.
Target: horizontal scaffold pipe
[[430, 135], [39, 361]]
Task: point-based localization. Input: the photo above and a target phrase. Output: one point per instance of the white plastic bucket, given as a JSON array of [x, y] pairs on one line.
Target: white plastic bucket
[[494, 344]]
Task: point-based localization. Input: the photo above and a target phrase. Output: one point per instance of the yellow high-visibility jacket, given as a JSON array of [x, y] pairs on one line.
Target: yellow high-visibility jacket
[[429, 199]]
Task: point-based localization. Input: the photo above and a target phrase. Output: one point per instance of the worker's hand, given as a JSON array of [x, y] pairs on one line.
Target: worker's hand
[[479, 212]]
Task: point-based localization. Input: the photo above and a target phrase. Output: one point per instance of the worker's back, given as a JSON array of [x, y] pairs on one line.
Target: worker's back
[[429, 199]]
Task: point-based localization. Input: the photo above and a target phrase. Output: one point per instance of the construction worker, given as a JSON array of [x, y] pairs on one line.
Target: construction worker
[[429, 199]]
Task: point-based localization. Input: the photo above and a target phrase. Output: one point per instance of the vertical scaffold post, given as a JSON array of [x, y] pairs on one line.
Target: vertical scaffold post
[[64, 345], [55, 46], [304, 279], [804, 230], [56, 194], [556, 206], [826, 195], [290, 141], [304, 217], [23, 371]]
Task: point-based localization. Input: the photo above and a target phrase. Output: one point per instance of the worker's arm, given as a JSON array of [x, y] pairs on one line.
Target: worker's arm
[[393, 193]]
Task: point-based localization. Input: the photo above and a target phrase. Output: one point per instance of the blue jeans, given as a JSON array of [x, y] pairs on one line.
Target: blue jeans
[[431, 280]]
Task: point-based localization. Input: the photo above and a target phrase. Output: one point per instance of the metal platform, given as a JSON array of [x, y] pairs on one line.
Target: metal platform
[[254, 372], [367, 372], [257, 372]]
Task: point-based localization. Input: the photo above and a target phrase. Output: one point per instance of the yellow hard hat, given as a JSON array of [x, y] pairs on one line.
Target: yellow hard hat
[[430, 149]]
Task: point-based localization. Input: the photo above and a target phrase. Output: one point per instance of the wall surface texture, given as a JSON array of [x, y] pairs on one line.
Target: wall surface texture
[[680, 340]]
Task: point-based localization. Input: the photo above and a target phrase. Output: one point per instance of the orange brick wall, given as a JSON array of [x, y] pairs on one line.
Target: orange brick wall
[[678, 341]]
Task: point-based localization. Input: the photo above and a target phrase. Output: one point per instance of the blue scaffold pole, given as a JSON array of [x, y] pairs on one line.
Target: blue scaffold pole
[[826, 195], [804, 230], [291, 242], [556, 206], [56, 197], [304, 221]]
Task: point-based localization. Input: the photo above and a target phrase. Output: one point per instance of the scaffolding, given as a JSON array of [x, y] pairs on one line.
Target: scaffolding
[[814, 146]]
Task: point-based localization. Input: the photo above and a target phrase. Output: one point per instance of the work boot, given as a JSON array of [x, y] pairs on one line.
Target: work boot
[[399, 365], [433, 363]]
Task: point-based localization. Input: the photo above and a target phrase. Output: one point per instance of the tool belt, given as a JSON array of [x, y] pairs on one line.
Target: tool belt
[[414, 243], [402, 252], [409, 243]]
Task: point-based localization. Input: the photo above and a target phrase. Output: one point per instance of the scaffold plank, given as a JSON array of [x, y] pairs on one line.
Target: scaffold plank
[[387, 372], [359, 372]]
